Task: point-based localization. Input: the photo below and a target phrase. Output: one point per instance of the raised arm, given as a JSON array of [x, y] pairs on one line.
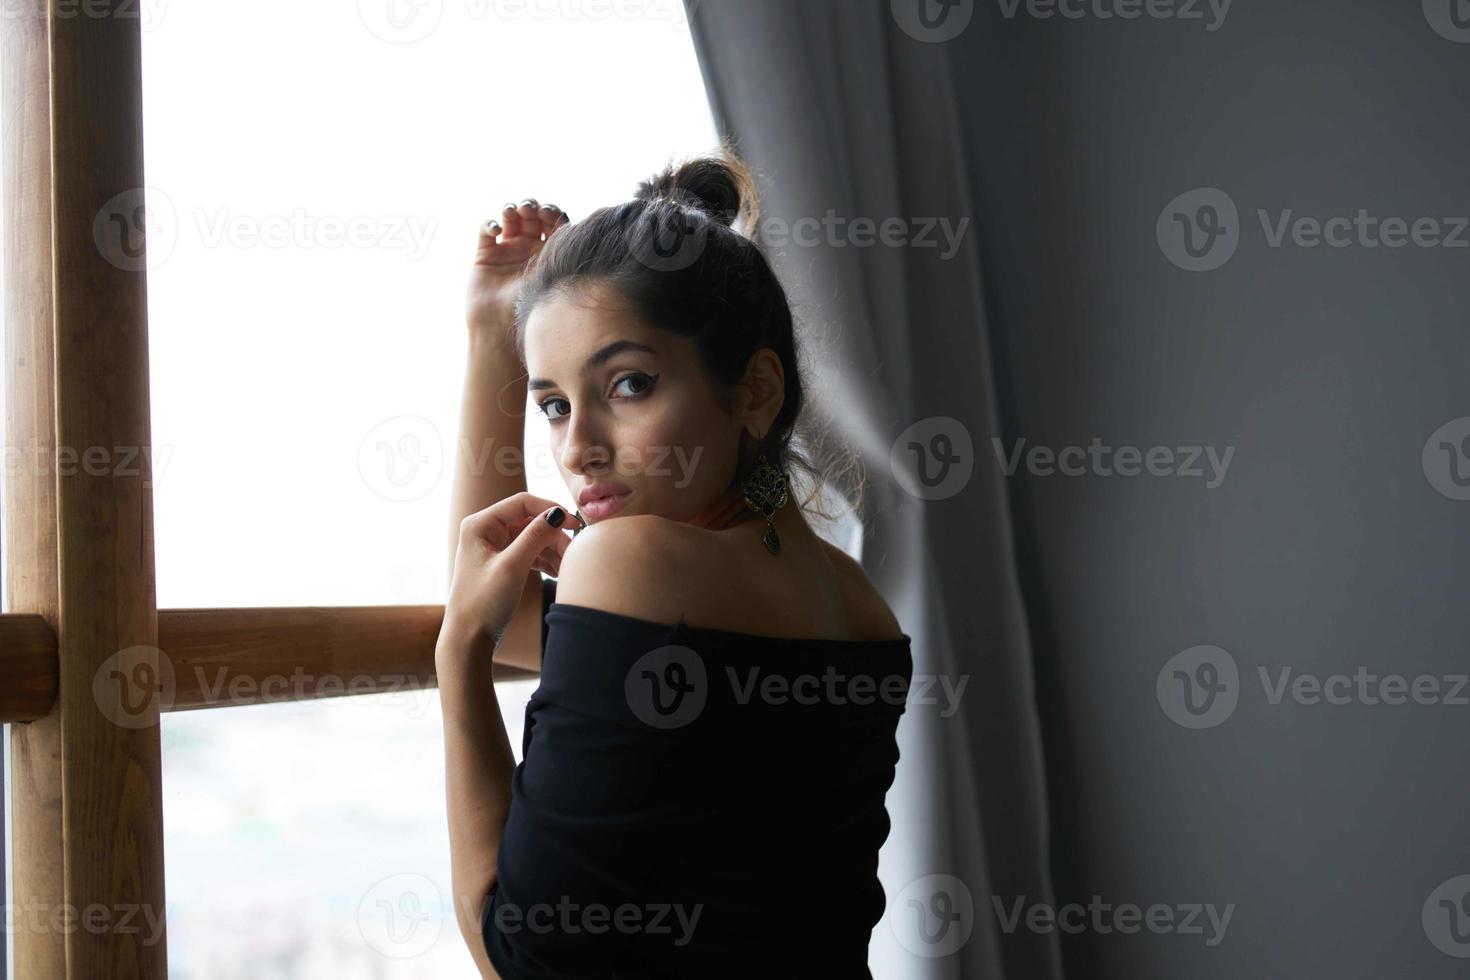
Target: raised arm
[[490, 448]]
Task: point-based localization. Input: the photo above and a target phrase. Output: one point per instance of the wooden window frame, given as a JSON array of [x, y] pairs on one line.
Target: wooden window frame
[[87, 799]]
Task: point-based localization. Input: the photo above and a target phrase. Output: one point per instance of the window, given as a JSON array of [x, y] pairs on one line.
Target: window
[[316, 174]]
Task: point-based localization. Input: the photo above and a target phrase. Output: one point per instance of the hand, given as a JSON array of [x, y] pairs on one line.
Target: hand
[[498, 547], [499, 263]]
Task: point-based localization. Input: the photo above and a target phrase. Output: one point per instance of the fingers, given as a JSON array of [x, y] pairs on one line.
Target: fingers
[[552, 218], [529, 211], [552, 555], [499, 523], [538, 536], [530, 217], [510, 217], [488, 231]]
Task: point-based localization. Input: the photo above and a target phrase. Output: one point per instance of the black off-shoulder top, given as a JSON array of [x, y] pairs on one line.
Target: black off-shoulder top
[[696, 802]]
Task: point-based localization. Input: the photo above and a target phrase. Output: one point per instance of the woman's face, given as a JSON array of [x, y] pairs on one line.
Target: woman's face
[[630, 408]]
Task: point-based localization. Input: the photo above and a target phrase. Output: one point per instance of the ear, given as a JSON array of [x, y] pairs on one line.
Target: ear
[[762, 392]]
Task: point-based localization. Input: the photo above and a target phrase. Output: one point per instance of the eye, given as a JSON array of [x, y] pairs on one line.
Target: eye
[[637, 377], [643, 383], [541, 407]]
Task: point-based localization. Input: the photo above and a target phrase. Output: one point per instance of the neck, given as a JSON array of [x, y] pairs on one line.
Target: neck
[[730, 511], [727, 511]]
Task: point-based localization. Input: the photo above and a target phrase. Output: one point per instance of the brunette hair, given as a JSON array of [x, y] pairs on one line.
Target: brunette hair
[[681, 253]]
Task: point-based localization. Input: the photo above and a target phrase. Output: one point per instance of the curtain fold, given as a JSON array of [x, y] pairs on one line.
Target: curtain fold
[[845, 114]]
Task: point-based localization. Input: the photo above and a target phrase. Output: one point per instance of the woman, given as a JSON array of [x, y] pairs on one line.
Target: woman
[[705, 759]]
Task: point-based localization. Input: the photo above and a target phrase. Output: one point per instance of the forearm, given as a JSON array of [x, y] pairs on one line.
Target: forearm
[[478, 768], [489, 453]]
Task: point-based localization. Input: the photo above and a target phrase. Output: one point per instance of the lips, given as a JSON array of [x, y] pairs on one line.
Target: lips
[[598, 500], [596, 508]]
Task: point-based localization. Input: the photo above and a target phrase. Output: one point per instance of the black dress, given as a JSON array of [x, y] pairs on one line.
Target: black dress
[[696, 802]]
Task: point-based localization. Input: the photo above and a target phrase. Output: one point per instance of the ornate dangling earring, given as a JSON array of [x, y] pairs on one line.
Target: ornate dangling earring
[[764, 490]]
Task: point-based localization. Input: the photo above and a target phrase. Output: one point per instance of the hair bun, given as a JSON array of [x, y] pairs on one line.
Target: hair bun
[[719, 184]]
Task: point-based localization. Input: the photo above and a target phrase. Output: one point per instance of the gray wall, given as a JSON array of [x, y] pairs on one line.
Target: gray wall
[[1325, 549]]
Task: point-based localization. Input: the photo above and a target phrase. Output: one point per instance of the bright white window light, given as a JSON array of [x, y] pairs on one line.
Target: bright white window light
[[316, 175]]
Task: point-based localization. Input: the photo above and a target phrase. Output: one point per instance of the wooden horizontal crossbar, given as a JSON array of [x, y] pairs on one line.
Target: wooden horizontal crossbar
[[215, 658]]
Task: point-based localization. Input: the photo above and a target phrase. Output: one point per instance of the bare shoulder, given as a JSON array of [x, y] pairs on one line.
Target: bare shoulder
[[630, 566], [871, 613], [649, 567]]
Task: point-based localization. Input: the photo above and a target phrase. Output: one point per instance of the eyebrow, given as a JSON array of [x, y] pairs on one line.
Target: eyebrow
[[600, 357]]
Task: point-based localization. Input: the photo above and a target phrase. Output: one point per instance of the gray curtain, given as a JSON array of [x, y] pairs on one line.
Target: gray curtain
[[847, 114]]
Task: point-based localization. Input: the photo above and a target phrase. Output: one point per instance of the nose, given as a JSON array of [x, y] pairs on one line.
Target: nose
[[584, 450]]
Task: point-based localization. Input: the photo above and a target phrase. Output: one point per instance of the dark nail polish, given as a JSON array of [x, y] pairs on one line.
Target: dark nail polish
[[556, 517]]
